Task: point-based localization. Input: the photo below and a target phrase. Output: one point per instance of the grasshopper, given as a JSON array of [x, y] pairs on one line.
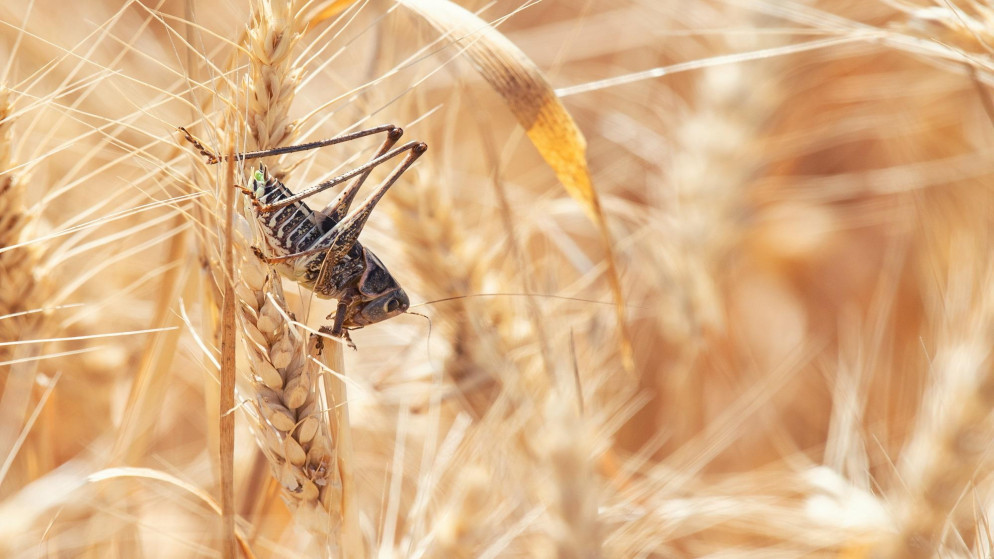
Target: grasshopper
[[320, 249]]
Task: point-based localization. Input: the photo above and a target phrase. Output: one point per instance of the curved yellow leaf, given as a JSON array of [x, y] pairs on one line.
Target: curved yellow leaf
[[535, 105], [333, 8]]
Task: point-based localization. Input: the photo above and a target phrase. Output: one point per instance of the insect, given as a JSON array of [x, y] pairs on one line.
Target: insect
[[320, 249]]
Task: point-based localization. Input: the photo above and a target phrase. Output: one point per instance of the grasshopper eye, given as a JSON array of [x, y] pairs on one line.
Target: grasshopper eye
[[259, 177], [388, 305], [392, 305], [395, 305]]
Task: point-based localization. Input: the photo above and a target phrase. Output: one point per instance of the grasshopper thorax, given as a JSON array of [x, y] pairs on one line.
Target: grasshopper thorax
[[380, 297]]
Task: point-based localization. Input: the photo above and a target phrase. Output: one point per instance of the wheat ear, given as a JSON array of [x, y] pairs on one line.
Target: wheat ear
[[23, 291], [949, 449], [292, 416]]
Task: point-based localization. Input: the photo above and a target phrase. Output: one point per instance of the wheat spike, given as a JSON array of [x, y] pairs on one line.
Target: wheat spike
[[281, 375], [23, 293], [23, 290], [284, 378]]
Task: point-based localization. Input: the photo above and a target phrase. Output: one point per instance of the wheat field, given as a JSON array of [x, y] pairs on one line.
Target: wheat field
[[688, 279]]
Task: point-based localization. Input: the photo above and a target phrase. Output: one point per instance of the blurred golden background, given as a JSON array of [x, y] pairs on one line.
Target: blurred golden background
[[800, 222]]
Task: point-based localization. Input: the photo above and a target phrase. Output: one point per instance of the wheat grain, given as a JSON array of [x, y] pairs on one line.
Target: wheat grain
[[272, 80], [289, 414]]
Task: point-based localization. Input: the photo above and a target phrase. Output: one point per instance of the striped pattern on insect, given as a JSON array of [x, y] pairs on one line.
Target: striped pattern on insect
[[320, 249]]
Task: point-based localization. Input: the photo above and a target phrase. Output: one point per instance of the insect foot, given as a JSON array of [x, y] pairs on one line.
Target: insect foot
[[212, 158], [326, 330]]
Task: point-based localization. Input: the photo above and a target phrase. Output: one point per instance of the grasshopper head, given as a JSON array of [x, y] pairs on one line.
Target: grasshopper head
[[381, 297], [379, 309]]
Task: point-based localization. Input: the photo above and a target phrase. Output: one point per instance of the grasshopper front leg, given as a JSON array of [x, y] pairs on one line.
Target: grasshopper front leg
[[337, 330]]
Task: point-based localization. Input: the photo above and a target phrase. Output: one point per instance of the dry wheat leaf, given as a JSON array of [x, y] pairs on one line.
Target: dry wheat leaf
[[534, 103], [331, 10], [528, 95], [169, 479]]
